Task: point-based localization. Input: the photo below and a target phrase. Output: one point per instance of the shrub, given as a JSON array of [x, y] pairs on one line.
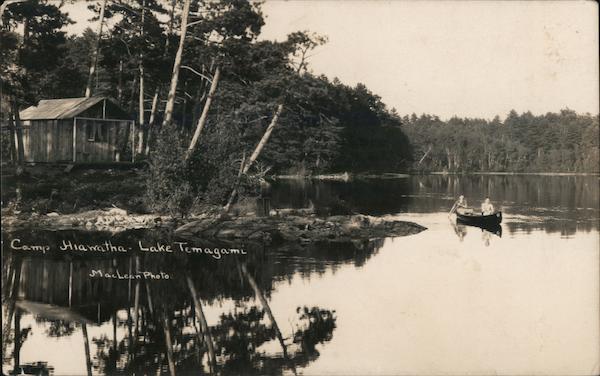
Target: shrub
[[168, 180]]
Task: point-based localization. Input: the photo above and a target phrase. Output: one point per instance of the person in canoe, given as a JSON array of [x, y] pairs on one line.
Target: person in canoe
[[460, 204], [486, 207]]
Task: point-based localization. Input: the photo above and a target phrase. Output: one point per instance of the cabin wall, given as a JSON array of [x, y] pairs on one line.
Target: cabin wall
[[97, 140], [63, 150], [47, 140], [100, 140]]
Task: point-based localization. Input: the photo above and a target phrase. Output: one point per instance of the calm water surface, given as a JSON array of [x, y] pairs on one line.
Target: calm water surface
[[451, 300]]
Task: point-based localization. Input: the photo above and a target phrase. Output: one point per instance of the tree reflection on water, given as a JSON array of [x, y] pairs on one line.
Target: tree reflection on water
[[159, 326]]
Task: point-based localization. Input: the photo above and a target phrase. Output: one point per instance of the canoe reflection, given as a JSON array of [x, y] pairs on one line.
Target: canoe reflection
[[460, 229]]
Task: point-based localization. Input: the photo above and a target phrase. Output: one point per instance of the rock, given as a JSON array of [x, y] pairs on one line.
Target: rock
[[228, 233], [299, 228], [117, 211], [301, 211], [52, 214], [63, 221]]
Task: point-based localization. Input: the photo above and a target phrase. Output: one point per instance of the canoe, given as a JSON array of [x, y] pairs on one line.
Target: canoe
[[478, 219]]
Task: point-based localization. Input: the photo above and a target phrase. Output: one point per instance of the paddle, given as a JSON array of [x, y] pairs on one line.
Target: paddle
[[453, 208]]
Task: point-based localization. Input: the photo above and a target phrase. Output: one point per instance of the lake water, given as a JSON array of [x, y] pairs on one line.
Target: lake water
[[450, 300]]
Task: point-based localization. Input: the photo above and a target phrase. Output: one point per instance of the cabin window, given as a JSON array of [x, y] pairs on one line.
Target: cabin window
[[100, 132], [90, 132], [96, 132]]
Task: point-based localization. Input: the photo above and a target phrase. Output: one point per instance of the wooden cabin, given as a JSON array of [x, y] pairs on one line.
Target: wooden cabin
[[77, 130]]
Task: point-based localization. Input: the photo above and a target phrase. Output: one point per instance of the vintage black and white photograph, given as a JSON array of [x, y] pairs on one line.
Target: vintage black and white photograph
[[300, 187]]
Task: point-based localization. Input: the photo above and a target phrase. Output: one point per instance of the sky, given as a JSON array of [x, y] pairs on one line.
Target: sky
[[447, 58]]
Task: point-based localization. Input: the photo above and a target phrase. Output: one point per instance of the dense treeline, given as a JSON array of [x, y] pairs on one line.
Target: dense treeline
[[325, 127], [228, 87], [554, 142]]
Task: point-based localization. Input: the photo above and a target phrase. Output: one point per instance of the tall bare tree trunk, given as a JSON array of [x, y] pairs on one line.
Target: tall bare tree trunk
[[153, 108], [204, 116], [236, 186], [158, 88], [168, 344], [197, 107], [149, 299], [263, 301], [114, 323], [13, 139], [255, 154], [142, 122], [129, 319], [184, 109], [19, 133], [9, 300], [176, 65], [86, 343], [212, 360], [152, 119], [136, 302], [424, 155], [120, 84], [202, 91], [18, 340], [264, 139], [123, 135], [88, 88]]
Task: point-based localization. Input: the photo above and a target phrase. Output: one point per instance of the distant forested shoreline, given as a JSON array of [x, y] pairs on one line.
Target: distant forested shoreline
[[554, 142]]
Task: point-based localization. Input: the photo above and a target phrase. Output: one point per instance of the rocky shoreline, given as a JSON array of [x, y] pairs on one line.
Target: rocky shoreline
[[303, 228], [111, 219]]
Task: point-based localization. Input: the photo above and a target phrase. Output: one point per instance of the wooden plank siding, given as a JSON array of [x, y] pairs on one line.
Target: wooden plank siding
[[64, 143], [51, 141], [26, 130], [97, 139], [99, 128]]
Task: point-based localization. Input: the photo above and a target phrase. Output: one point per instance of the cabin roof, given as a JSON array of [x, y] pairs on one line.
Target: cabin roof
[[65, 108]]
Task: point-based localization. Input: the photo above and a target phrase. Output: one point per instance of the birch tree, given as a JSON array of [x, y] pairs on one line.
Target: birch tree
[[204, 116], [157, 89], [141, 129], [259, 147], [168, 116], [95, 51]]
